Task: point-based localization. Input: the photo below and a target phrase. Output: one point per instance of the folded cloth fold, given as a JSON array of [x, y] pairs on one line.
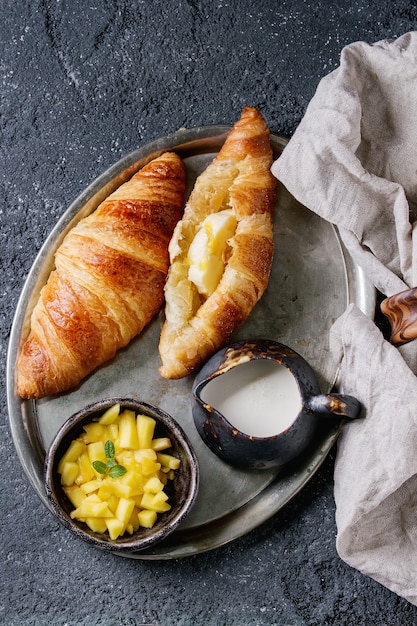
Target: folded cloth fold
[[353, 157], [375, 483], [353, 161]]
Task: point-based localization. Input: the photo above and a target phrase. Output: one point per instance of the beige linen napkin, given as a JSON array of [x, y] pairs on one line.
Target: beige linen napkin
[[353, 160]]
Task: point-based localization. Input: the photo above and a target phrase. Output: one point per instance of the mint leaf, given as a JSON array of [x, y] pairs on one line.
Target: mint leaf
[[109, 450], [111, 467], [117, 471], [100, 467]]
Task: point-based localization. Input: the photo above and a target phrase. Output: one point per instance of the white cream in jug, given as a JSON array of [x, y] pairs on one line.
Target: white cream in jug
[[260, 398]]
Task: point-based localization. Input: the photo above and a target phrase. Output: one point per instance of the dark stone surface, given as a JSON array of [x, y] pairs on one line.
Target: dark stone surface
[[82, 84]]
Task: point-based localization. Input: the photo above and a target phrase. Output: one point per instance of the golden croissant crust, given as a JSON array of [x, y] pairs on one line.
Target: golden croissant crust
[[239, 182], [108, 281]]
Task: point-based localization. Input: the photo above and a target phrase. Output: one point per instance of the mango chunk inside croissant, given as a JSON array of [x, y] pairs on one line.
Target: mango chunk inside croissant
[[208, 251]]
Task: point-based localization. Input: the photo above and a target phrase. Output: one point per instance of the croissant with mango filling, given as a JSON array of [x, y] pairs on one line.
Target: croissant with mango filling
[[108, 282], [221, 251]]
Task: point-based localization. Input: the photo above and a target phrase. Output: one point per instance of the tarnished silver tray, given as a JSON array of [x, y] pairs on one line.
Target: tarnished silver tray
[[312, 281]]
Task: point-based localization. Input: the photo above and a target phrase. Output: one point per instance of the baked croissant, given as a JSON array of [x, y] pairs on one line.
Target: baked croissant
[[108, 281], [221, 250]]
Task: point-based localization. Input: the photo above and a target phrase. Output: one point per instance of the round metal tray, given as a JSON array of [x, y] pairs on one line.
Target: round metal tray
[[312, 281]]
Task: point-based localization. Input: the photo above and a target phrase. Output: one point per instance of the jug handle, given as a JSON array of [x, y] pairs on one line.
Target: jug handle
[[335, 405]]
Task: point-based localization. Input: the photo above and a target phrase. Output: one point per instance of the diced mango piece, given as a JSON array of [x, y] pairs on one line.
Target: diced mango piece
[[105, 492], [115, 527], [159, 497], [87, 472], [145, 429], [126, 457], [138, 500], [96, 451], [74, 494], [162, 476], [161, 507], [75, 449], [147, 518], [93, 497], [110, 415], [96, 524], [91, 509], [69, 473], [153, 485], [155, 502], [167, 460], [161, 443], [124, 509], [149, 467], [93, 432], [134, 479], [128, 435], [134, 520], [113, 502], [91, 485], [146, 453], [120, 490], [112, 433]]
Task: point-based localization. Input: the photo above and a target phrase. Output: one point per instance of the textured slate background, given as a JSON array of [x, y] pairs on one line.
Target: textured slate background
[[82, 84]]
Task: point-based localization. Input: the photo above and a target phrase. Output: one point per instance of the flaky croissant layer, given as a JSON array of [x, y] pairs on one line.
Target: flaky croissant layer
[[108, 282], [238, 180]]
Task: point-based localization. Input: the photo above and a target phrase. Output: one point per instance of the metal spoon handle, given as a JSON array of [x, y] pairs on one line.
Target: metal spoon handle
[[401, 311]]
